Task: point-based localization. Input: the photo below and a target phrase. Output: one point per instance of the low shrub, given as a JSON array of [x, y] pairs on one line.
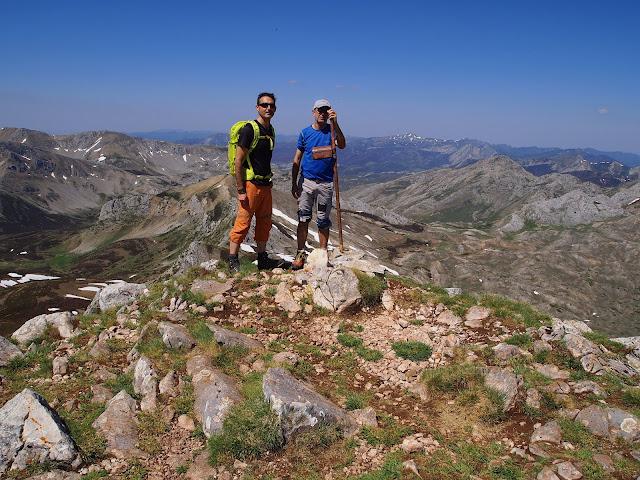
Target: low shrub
[[371, 288], [412, 350]]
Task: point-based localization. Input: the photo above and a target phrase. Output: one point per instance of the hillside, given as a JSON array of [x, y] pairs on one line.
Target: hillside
[[258, 376]]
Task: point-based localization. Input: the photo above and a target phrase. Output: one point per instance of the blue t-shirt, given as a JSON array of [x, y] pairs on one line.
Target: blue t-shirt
[[322, 168]]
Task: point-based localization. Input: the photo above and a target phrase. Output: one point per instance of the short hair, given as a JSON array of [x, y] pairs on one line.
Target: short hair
[[265, 94]]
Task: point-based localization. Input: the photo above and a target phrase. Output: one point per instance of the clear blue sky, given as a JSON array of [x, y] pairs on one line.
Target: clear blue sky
[[526, 73]]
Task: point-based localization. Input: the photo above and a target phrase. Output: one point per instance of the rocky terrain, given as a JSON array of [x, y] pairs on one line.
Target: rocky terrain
[[45, 178], [342, 372]]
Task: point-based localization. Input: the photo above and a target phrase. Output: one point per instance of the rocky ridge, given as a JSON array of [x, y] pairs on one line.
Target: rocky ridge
[[254, 374]]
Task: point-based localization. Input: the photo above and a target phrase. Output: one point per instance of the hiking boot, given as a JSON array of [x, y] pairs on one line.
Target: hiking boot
[[234, 264], [266, 263], [298, 262]]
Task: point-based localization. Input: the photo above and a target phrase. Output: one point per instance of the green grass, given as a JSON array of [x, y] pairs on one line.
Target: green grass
[[521, 313], [124, 381], [631, 397], [453, 378], [95, 475], [576, 433], [61, 262], [369, 354], [348, 340], [183, 403], [389, 432], [250, 430], [412, 350], [391, 470], [355, 401], [352, 341], [605, 341], [371, 288], [201, 333], [462, 460], [151, 427], [92, 446], [520, 340]]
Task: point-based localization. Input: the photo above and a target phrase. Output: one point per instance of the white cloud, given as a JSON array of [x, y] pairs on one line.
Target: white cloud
[[603, 110], [292, 82]]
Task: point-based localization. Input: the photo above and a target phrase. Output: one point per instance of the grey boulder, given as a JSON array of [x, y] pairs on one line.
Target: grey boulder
[[60, 322], [610, 422], [229, 338], [176, 336], [145, 383], [115, 295], [118, 426], [215, 394], [8, 351], [335, 289], [300, 406], [505, 382], [32, 432]]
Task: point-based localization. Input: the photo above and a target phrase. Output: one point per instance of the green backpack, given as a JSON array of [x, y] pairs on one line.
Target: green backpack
[[234, 134]]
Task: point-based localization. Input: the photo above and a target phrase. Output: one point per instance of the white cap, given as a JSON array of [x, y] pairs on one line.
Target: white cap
[[323, 102]]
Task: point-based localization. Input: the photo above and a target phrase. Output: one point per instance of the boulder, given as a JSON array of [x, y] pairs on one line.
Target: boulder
[[145, 383], [168, 384], [118, 425], [215, 393], [610, 422], [298, 405], [504, 352], [547, 474], [335, 289], [595, 419], [447, 317], [476, 313], [285, 300], [100, 394], [32, 432], [504, 382], [211, 288], [551, 371], [60, 322], [176, 336], [229, 338], [8, 351], [115, 295], [60, 365], [197, 363], [567, 471], [579, 346], [549, 432]]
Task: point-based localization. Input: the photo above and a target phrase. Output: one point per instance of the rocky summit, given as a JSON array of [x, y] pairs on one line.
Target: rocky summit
[[333, 372]]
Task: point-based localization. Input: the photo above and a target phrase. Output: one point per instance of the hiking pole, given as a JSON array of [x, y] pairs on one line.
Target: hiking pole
[[336, 185]]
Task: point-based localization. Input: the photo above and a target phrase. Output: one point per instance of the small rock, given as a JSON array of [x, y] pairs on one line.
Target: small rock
[[60, 365], [567, 471], [550, 433], [547, 474], [186, 423]]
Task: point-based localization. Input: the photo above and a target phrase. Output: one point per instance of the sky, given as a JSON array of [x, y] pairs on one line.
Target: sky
[[562, 73]]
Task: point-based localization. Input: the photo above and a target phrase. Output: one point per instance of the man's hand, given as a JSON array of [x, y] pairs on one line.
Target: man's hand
[[242, 198], [333, 116], [296, 191]]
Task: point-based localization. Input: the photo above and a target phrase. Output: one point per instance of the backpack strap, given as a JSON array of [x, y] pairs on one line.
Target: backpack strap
[[254, 143]]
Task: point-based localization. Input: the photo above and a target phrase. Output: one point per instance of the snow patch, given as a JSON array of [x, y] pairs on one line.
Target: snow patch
[[102, 158], [25, 139], [89, 289], [7, 283], [390, 270], [184, 157], [36, 277], [94, 145], [53, 309], [69, 295], [279, 213], [14, 275], [23, 252], [368, 237]]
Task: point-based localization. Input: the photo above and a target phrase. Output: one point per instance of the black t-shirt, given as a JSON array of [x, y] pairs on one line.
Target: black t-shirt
[[261, 155]]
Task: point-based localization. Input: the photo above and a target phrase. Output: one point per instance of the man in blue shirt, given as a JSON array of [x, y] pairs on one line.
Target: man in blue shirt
[[315, 182]]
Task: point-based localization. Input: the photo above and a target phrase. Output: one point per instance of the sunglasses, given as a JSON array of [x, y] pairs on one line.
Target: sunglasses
[[267, 105], [324, 109]]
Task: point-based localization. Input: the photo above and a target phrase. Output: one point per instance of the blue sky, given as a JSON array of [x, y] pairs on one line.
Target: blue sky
[[526, 73]]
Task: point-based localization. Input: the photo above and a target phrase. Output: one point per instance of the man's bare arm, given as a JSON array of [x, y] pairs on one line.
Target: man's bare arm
[[295, 170]]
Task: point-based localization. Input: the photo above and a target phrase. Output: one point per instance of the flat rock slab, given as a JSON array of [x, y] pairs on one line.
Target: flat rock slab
[[549, 432], [579, 346], [60, 322], [118, 425], [447, 317], [476, 313], [215, 394], [285, 299], [32, 432], [8, 351], [211, 288], [551, 371], [116, 295], [176, 336], [298, 405], [610, 422], [335, 289], [229, 338], [504, 382], [145, 383]]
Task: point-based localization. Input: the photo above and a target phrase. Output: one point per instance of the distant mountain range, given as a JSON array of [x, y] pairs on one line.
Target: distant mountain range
[[377, 159]]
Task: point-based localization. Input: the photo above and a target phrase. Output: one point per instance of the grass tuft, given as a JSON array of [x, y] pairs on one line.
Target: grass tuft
[[452, 378], [371, 288], [412, 350]]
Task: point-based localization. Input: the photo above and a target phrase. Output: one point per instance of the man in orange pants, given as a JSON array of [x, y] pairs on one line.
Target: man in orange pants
[[254, 196]]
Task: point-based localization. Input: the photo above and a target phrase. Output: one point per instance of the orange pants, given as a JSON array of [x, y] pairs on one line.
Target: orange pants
[[258, 203]]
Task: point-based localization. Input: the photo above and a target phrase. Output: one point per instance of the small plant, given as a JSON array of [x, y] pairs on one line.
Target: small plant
[[151, 426], [576, 433], [388, 433], [516, 311], [182, 469], [368, 354], [605, 341], [124, 381], [183, 403], [495, 413], [519, 340], [349, 340], [271, 291], [370, 288], [631, 397], [412, 350], [354, 401], [452, 378]]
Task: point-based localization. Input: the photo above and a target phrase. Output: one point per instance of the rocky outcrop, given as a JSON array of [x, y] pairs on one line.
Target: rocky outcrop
[[335, 289], [176, 336], [60, 322], [116, 295], [32, 432], [8, 351], [298, 405], [124, 208], [610, 422], [215, 394], [118, 426], [145, 383], [504, 382], [229, 338]]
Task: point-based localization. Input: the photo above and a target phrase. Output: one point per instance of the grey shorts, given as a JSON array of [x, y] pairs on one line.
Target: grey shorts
[[323, 192]]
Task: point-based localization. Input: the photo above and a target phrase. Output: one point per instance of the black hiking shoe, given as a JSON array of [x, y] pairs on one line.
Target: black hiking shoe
[[266, 263], [234, 264]]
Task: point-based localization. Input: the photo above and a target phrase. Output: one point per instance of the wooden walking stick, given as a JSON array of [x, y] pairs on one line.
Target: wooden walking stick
[[336, 185]]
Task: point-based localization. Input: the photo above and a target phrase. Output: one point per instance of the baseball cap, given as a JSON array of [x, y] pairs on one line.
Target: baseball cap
[[323, 102]]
